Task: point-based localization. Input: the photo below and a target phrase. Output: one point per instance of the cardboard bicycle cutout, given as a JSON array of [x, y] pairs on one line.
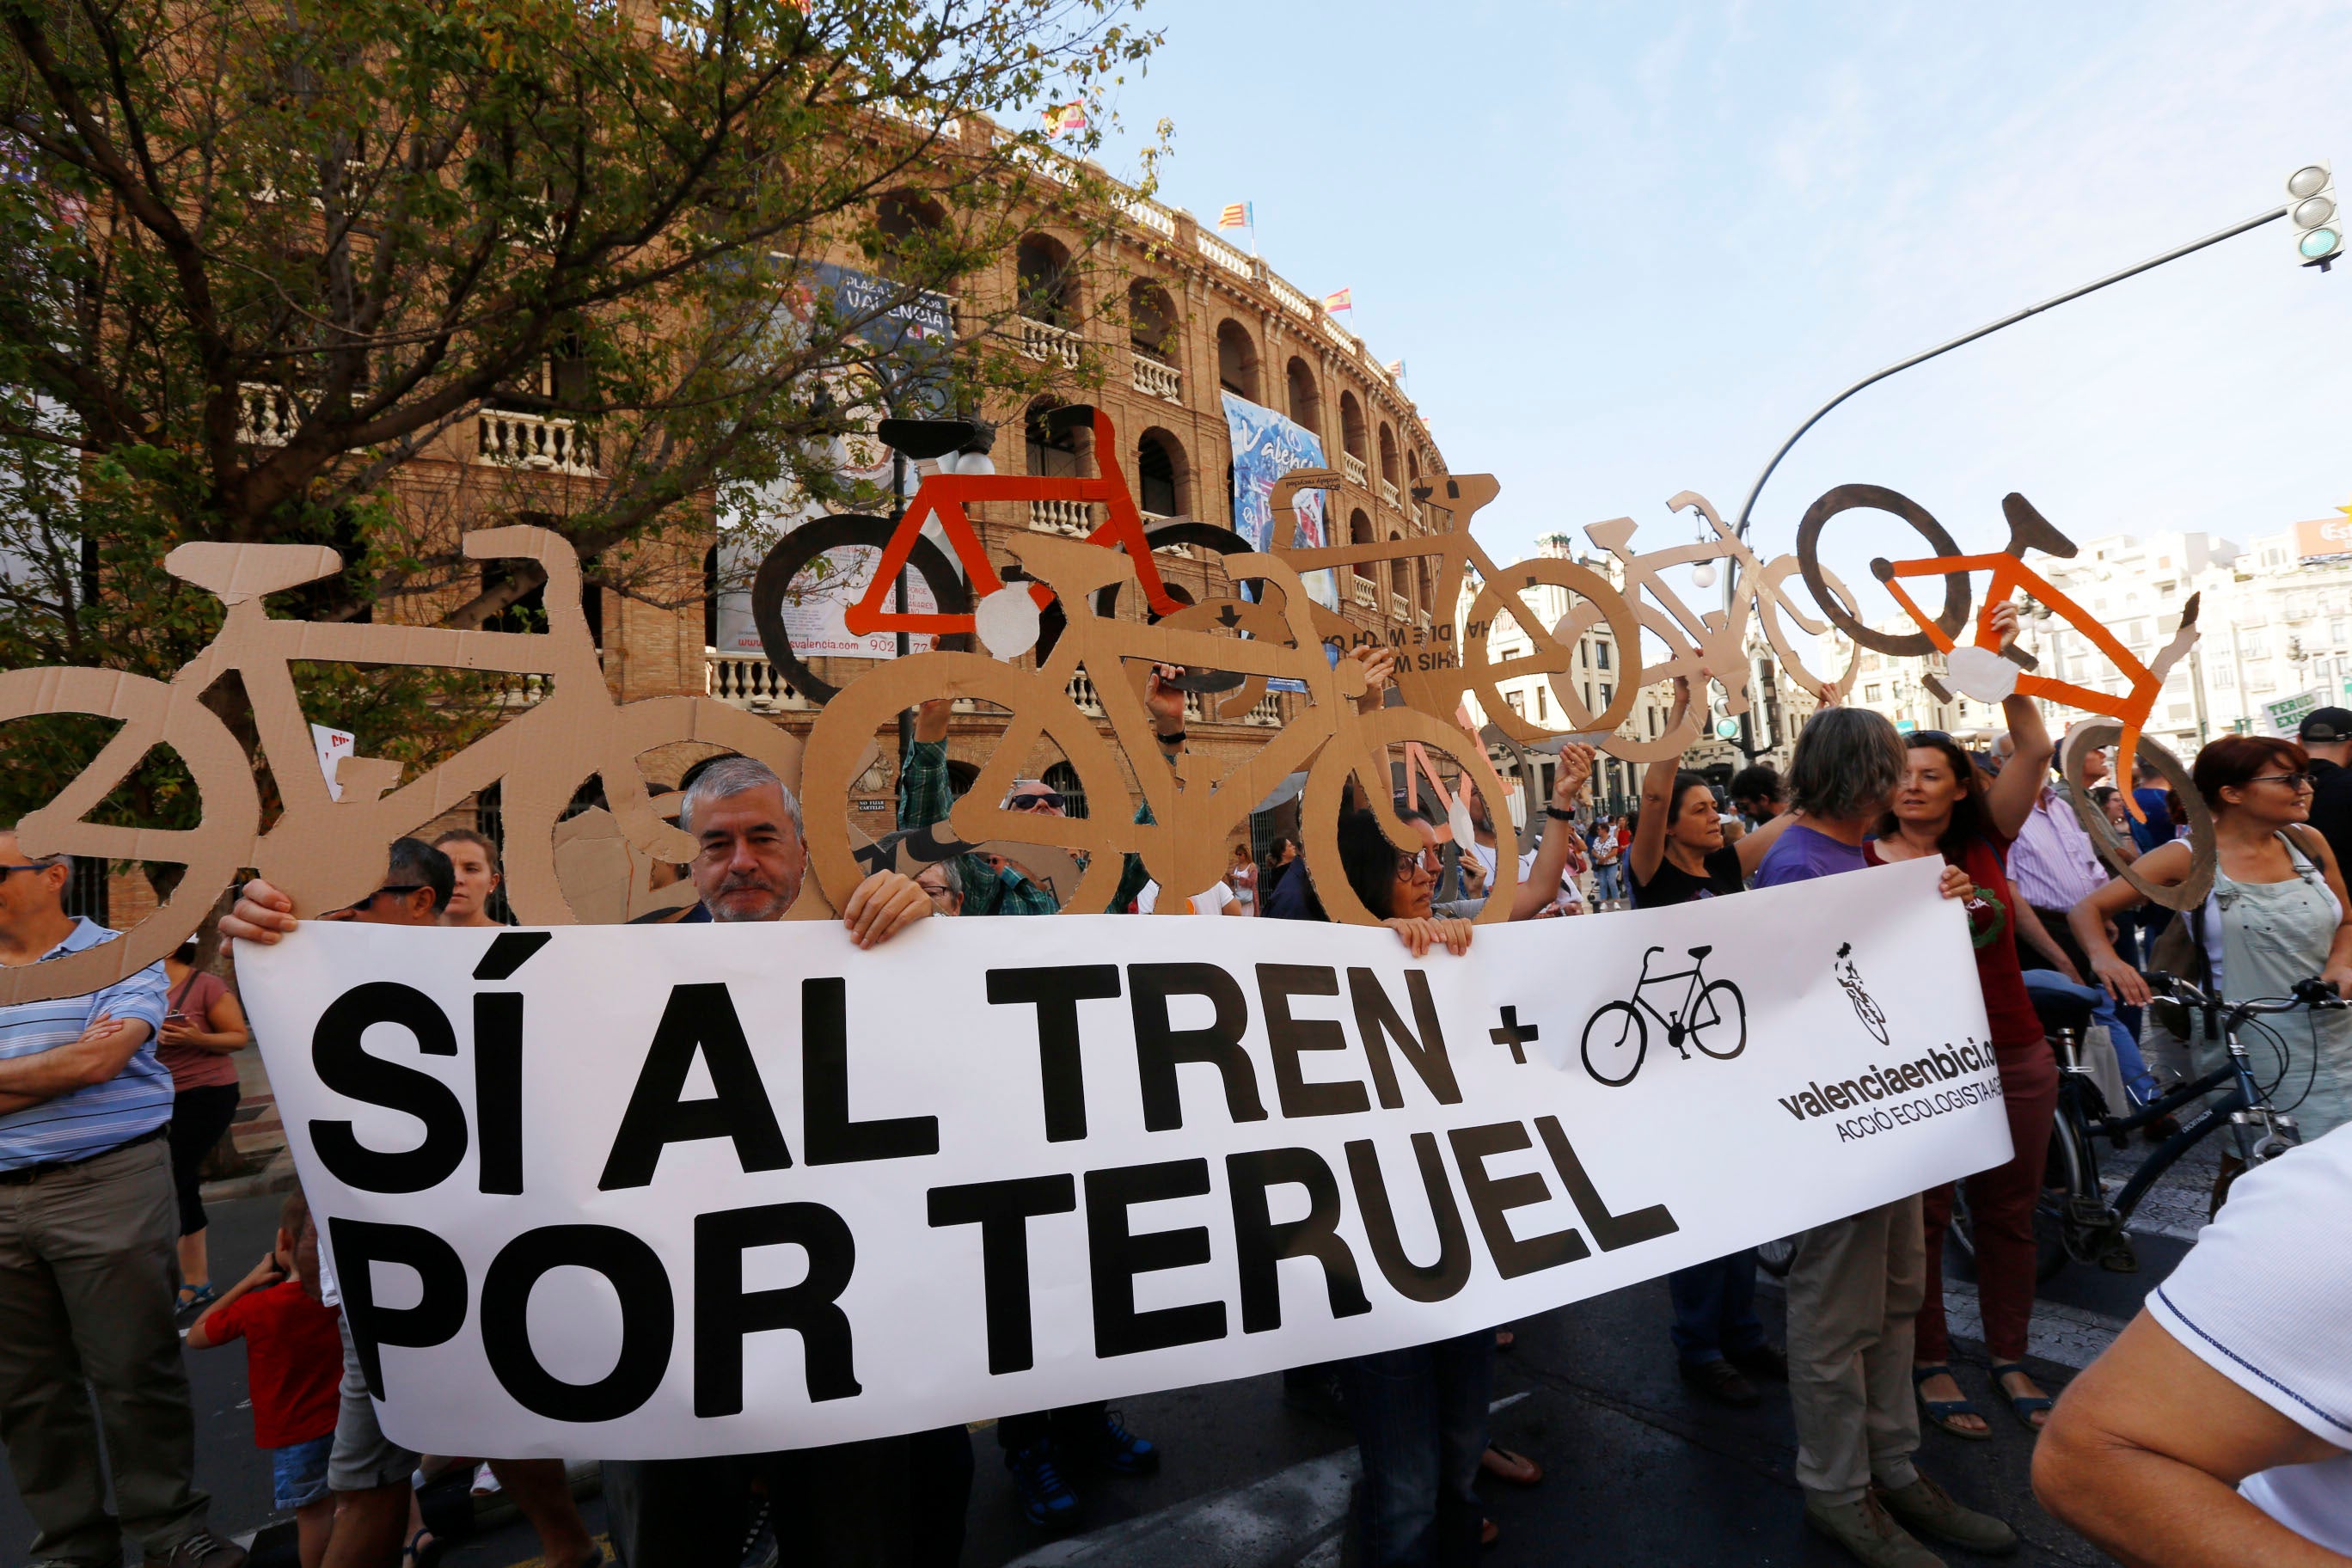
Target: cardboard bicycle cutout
[[327, 846]]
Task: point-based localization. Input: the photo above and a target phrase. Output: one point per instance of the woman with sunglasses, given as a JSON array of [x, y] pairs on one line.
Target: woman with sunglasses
[[1942, 808], [2278, 916]]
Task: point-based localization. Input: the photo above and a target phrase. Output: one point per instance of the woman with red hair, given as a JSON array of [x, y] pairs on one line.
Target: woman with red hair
[[2277, 915]]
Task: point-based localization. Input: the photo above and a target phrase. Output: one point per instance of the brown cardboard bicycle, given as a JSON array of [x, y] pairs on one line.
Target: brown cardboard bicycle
[[328, 853]]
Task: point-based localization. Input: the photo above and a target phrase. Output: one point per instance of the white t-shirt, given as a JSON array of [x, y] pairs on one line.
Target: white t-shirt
[[1488, 855], [1212, 903], [2266, 1299]]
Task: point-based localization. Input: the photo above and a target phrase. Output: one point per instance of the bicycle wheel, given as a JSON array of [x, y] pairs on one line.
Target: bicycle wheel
[[535, 804], [1177, 545], [2065, 1172], [1338, 760], [1616, 1038], [152, 715], [1842, 611], [1177, 533], [847, 729], [1682, 659], [1872, 1018], [1729, 1020], [804, 569], [2203, 848], [1494, 602]]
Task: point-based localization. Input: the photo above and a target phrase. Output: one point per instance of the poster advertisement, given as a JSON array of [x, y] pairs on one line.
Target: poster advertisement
[[1265, 447]]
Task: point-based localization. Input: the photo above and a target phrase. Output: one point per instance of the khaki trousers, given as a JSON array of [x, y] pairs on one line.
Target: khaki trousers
[[87, 1268], [1855, 1288]]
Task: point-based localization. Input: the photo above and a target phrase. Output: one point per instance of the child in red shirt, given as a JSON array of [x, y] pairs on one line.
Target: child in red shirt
[[294, 1368]]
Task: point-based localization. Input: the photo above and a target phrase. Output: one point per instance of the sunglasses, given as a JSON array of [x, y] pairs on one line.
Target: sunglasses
[[1040, 802], [2292, 780]]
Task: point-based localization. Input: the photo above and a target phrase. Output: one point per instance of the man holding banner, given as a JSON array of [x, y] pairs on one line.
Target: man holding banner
[[691, 1513]]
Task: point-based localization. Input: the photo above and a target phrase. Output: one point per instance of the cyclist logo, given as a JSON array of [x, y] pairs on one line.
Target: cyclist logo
[[1850, 978], [1712, 1016]]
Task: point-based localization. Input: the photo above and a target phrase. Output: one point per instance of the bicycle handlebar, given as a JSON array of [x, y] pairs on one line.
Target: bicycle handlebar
[[2314, 993]]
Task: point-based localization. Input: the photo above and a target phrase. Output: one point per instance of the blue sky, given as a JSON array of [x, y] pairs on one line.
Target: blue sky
[[1625, 250]]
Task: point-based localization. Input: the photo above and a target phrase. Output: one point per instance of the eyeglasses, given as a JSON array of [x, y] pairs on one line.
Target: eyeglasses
[[1039, 802], [2292, 780], [938, 894], [6, 871], [1411, 866]]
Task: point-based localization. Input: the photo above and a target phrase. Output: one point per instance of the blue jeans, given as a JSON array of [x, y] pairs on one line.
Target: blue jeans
[[1420, 1416], [298, 1473], [1714, 1307], [1609, 881]]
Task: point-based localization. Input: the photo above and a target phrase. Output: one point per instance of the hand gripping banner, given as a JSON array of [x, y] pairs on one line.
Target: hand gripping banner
[[715, 1189]]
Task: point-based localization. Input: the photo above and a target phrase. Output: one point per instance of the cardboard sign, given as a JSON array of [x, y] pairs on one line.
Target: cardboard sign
[[718, 1189]]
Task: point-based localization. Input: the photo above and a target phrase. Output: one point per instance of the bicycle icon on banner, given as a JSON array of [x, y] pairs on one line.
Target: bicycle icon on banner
[[1712, 1016], [1864, 1008]]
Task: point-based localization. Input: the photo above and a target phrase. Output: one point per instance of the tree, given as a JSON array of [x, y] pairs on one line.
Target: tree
[[281, 273]]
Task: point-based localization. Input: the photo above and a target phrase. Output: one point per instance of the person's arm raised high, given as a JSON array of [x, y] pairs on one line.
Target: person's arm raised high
[[2010, 799], [1649, 847]]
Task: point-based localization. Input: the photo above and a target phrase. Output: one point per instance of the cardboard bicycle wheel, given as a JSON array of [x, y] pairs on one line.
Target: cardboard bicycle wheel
[[844, 734], [537, 853], [1839, 610], [2204, 850], [796, 552], [1478, 672], [1363, 743], [154, 716]]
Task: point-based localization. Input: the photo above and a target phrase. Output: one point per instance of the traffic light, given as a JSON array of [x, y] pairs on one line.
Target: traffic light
[[2318, 224]]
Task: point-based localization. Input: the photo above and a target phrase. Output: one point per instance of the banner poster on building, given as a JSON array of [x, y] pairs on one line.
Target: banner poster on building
[[1265, 447], [667, 1190], [915, 335]]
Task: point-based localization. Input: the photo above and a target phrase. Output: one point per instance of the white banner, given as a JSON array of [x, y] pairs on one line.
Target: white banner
[[632, 1192]]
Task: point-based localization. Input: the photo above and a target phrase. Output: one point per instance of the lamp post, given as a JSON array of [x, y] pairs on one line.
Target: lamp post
[[1731, 568]]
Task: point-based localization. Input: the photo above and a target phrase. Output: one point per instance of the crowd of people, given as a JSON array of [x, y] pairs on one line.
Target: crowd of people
[[2213, 1431]]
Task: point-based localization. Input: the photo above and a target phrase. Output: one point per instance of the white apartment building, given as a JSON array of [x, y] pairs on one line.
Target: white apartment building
[[2274, 623]]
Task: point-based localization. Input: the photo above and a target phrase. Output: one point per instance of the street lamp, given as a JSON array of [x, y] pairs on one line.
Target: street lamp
[[2307, 193]]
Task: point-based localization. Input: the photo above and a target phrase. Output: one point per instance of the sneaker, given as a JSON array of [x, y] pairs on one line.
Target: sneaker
[[486, 1481], [202, 1550], [1929, 1510], [1869, 1533], [1045, 1497], [1765, 1361], [1723, 1383], [1122, 1452]]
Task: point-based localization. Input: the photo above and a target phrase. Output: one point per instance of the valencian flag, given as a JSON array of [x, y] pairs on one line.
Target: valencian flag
[[1066, 119], [1237, 214], [1338, 301]]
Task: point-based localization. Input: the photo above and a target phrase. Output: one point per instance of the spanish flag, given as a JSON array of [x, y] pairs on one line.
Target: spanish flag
[[1237, 214], [1338, 301], [1066, 119]]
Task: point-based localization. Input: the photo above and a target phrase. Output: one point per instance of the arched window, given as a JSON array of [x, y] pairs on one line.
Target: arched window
[[711, 597], [1422, 594], [1151, 321], [1051, 452], [1160, 473], [1065, 780], [1359, 532], [907, 219], [1400, 570], [1351, 424], [1047, 292], [1237, 360], [1388, 453], [1305, 397]]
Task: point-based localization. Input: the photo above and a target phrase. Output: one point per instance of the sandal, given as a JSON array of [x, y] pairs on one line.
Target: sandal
[[2025, 1406], [194, 1298], [1941, 1412], [1505, 1465], [425, 1556]]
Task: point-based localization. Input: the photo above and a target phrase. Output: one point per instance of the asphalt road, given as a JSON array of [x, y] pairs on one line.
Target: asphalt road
[[1640, 1470]]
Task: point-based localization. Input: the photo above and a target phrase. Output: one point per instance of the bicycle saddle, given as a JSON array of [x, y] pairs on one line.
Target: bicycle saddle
[[1702, 952], [2029, 530], [1459, 494], [236, 573], [2063, 1006]]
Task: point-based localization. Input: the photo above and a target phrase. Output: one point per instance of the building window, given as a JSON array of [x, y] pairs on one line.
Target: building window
[[1608, 694], [1155, 474], [1519, 701], [1543, 704], [1150, 322], [1046, 294], [1603, 649], [1305, 397], [1237, 360], [1874, 692], [1064, 779]]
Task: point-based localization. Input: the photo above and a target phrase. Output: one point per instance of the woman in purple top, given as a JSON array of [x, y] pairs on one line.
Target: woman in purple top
[[1855, 1284]]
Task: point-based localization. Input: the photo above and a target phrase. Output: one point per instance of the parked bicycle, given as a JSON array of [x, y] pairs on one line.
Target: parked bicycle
[[542, 757], [1712, 1016], [807, 562], [2078, 1219], [1184, 846]]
